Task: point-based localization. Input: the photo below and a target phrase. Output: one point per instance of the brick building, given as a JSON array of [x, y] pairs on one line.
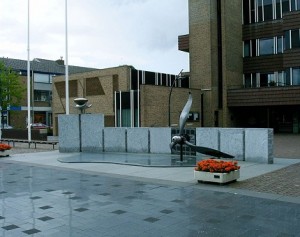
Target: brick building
[[244, 56], [42, 72], [127, 97]]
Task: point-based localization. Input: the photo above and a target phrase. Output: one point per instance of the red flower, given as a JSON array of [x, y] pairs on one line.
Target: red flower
[[217, 166], [4, 147]]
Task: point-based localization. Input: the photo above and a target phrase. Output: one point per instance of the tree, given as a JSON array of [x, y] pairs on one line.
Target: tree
[[11, 88]]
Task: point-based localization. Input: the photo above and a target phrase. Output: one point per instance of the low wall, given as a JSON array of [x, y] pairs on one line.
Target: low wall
[[87, 133], [245, 144]]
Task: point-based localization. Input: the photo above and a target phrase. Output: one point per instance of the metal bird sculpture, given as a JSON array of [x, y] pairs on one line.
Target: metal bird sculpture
[[182, 138]]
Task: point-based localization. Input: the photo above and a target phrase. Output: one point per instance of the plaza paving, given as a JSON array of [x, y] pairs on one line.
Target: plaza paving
[[41, 196]]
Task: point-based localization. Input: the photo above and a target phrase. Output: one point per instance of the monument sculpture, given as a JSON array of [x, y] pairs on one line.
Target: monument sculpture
[[183, 139]]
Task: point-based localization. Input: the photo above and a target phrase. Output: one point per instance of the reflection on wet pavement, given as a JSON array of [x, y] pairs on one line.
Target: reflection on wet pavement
[[45, 201], [150, 160]]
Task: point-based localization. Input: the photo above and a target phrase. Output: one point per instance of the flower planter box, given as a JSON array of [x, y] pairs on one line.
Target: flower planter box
[[221, 178], [4, 153]]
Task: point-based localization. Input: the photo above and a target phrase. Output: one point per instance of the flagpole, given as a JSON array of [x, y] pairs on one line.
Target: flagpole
[[67, 64], [28, 78]]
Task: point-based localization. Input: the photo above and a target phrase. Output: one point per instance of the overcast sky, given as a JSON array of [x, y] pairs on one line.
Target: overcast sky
[[101, 33]]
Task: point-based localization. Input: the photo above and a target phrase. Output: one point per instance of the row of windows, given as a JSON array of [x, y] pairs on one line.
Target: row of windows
[[289, 77], [139, 77], [264, 46], [273, 45], [265, 10]]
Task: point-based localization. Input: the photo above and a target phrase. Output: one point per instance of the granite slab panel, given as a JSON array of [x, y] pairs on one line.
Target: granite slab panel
[[91, 132], [259, 145], [138, 140], [207, 137], [115, 139], [232, 141], [68, 128], [160, 139]]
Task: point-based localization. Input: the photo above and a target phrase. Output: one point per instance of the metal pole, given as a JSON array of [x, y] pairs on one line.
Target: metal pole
[[169, 124], [67, 64], [28, 78]]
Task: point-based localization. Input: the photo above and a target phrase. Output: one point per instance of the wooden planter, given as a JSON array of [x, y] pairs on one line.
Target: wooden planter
[[221, 178]]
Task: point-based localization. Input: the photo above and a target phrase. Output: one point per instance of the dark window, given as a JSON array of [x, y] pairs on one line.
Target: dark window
[[268, 10], [295, 38], [287, 77], [164, 80], [254, 84], [287, 44], [185, 83], [259, 10], [134, 80], [263, 80], [149, 78], [296, 76], [252, 12], [41, 95], [247, 80], [246, 11], [278, 9], [279, 44], [253, 48], [266, 46], [293, 5], [247, 48], [285, 6]]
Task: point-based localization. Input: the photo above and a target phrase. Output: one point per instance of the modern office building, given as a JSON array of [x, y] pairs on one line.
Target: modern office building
[[244, 56], [42, 72]]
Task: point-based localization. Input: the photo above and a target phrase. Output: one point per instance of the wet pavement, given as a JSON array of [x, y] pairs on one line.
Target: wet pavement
[[40, 196], [53, 201]]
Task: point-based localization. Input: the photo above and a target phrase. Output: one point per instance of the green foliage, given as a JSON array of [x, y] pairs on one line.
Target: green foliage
[[11, 88]]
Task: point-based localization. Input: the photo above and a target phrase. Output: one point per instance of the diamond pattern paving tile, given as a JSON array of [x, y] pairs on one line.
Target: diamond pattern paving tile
[[45, 218], [151, 219], [10, 227], [31, 231], [166, 211], [45, 207], [119, 212], [49, 190], [81, 209], [35, 197]]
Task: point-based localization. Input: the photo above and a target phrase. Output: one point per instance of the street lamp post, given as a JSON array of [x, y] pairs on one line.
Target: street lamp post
[[178, 77]]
